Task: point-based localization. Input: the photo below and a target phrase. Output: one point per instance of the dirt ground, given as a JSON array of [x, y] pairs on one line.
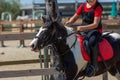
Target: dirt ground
[[12, 53]]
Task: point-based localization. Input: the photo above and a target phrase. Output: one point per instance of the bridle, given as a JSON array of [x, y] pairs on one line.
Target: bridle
[[48, 41], [61, 39]]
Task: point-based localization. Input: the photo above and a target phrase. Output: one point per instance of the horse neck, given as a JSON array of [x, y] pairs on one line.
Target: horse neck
[[63, 46]]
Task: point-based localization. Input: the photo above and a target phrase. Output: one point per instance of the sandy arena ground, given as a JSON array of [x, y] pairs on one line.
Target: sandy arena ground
[[12, 53]]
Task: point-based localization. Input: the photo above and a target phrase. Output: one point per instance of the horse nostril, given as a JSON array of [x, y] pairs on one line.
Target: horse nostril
[[32, 46]]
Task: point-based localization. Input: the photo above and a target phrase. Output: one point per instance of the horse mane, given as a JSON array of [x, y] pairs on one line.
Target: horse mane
[[69, 29], [71, 38]]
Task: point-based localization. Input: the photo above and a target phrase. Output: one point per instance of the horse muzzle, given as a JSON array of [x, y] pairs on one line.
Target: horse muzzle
[[34, 46]]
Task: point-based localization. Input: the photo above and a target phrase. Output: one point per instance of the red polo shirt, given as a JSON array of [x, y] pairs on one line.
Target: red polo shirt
[[97, 13]]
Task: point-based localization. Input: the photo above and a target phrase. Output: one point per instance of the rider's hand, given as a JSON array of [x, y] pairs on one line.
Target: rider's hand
[[68, 23], [80, 28]]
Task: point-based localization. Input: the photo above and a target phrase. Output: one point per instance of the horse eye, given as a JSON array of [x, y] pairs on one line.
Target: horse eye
[[44, 26]]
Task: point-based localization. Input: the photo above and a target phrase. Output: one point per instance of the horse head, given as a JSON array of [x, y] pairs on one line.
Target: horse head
[[49, 33]]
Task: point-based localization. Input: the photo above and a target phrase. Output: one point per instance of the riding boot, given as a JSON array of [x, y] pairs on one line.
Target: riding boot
[[93, 66], [94, 57]]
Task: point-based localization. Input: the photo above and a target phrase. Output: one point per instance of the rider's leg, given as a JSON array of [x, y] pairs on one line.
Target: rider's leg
[[94, 55]]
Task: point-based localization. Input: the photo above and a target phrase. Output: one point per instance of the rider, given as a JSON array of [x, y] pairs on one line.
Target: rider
[[91, 13]]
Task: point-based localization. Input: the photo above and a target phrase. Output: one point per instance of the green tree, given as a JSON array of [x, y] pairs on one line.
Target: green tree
[[11, 6]]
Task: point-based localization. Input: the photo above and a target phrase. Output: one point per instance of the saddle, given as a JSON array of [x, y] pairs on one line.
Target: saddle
[[105, 48]]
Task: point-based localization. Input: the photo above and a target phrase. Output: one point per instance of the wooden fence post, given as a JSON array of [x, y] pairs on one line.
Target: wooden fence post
[[1, 30], [22, 43]]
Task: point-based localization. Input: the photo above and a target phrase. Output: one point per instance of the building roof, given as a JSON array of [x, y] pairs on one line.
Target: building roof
[[26, 7]]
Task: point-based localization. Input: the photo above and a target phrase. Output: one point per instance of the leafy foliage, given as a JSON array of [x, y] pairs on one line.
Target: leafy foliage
[[11, 6]]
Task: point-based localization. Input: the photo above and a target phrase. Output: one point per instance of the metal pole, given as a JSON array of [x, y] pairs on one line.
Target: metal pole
[[117, 5], [76, 4], [33, 10], [47, 7], [46, 64], [40, 59]]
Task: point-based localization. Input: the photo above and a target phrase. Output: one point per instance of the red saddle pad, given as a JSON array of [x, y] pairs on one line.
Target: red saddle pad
[[104, 48]]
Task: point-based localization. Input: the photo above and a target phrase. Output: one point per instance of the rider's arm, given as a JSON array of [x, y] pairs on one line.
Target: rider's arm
[[75, 16], [72, 19], [90, 26]]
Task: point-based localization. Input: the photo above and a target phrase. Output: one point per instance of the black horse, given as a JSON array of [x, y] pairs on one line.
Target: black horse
[[67, 47]]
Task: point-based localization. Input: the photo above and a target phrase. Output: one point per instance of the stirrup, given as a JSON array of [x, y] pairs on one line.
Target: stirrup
[[90, 71]]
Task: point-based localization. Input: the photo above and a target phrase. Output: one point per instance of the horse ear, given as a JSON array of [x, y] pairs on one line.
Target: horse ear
[[58, 19], [44, 18], [47, 18]]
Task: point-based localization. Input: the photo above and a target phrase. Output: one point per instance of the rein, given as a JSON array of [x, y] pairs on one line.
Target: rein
[[69, 48], [72, 33], [72, 44]]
